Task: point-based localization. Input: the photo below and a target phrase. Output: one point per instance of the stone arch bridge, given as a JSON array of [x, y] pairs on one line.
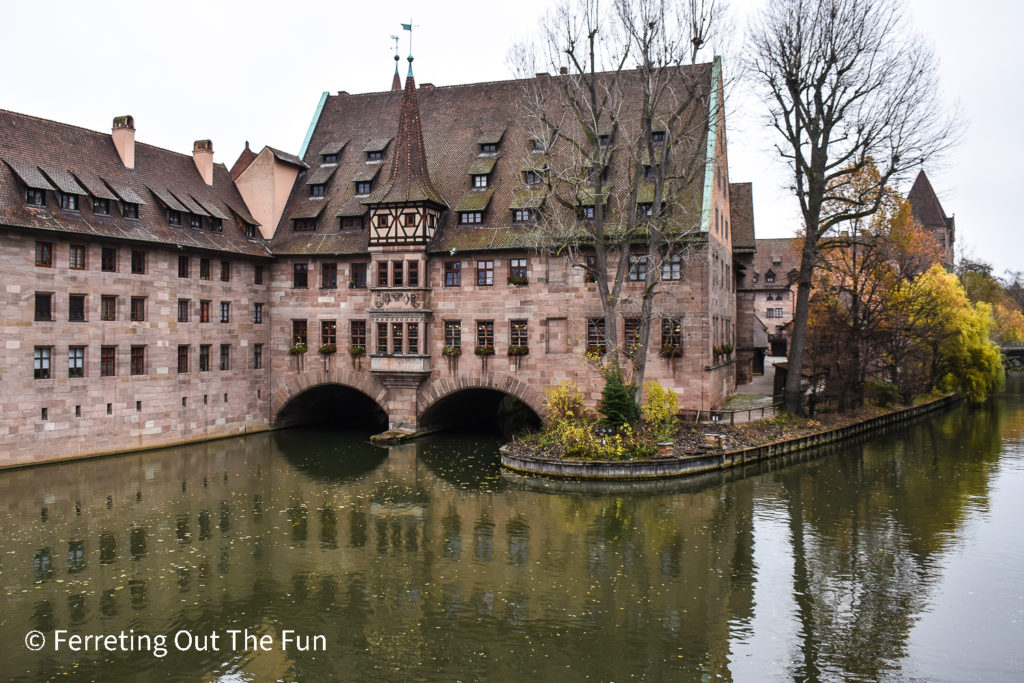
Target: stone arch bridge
[[411, 405]]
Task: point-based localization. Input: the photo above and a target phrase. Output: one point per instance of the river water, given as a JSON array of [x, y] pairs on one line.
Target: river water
[[307, 554]]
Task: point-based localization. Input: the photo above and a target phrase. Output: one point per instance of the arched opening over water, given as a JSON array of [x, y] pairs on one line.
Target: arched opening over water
[[336, 405], [480, 410]]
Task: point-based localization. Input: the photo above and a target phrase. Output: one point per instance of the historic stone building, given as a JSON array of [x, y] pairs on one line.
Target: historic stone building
[[154, 298], [928, 214]]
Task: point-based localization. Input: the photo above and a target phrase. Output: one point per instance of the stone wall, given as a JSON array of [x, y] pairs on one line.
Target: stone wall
[[96, 414]]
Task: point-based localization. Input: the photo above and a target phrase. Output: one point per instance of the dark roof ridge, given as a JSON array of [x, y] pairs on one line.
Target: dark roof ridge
[[510, 80], [95, 132]]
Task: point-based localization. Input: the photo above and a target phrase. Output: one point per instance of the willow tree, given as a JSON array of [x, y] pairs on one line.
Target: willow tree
[[846, 83], [620, 135]]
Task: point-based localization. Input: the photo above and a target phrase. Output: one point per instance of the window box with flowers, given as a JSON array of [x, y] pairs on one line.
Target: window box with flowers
[[357, 351], [298, 349], [451, 352], [518, 351], [328, 349], [484, 351], [671, 351], [518, 281]]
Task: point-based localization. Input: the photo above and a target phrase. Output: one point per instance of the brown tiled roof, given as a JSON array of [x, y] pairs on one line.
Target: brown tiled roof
[[242, 162], [741, 212], [781, 249], [925, 204], [474, 200], [89, 159], [408, 179], [64, 181], [95, 186], [168, 200], [321, 175], [287, 158], [333, 147], [453, 120]]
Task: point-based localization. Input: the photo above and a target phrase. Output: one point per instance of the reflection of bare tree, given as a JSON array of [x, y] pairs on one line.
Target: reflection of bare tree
[[865, 552]]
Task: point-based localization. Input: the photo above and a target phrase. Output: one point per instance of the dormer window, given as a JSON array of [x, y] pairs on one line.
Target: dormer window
[[305, 224], [645, 209], [769, 277], [648, 172], [587, 212], [195, 221], [363, 187], [130, 210], [531, 177], [318, 190], [351, 222], [330, 158], [375, 155], [604, 140], [68, 202], [250, 231], [35, 196], [173, 217], [480, 181], [471, 217], [488, 148], [536, 145], [658, 136], [524, 216], [101, 206], [216, 224]]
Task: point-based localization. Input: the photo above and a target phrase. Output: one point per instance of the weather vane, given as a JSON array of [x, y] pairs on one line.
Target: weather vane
[[408, 27]]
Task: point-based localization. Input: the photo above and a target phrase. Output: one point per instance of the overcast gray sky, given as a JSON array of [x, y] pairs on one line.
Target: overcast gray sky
[[234, 71]]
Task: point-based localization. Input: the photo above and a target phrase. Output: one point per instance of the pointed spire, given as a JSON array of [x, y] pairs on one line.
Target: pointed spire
[[925, 203], [408, 179], [396, 80]]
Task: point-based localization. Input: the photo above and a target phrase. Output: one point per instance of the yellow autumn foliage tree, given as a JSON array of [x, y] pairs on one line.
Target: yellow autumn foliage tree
[[967, 360]]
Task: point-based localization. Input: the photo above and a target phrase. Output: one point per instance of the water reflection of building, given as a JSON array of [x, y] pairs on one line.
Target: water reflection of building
[[390, 563]]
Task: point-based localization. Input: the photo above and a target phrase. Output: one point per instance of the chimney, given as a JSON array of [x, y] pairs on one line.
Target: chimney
[[202, 154], [123, 134]]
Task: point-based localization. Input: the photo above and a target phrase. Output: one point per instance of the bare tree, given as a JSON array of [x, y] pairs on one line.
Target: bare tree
[[626, 88], [847, 84]]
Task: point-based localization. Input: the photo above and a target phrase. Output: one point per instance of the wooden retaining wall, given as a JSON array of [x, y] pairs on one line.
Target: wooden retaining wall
[[674, 466]]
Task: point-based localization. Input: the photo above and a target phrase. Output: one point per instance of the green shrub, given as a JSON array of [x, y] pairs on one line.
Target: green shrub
[[617, 404], [882, 393]]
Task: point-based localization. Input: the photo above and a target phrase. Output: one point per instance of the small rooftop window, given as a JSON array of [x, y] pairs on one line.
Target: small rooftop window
[[330, 158], [489, 147], [173, 217], [35, 196], [480, 181], [604, 139], [363, 186], [657, 136], [318, 190], [374, 156], [195, 221], [305, 224]]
